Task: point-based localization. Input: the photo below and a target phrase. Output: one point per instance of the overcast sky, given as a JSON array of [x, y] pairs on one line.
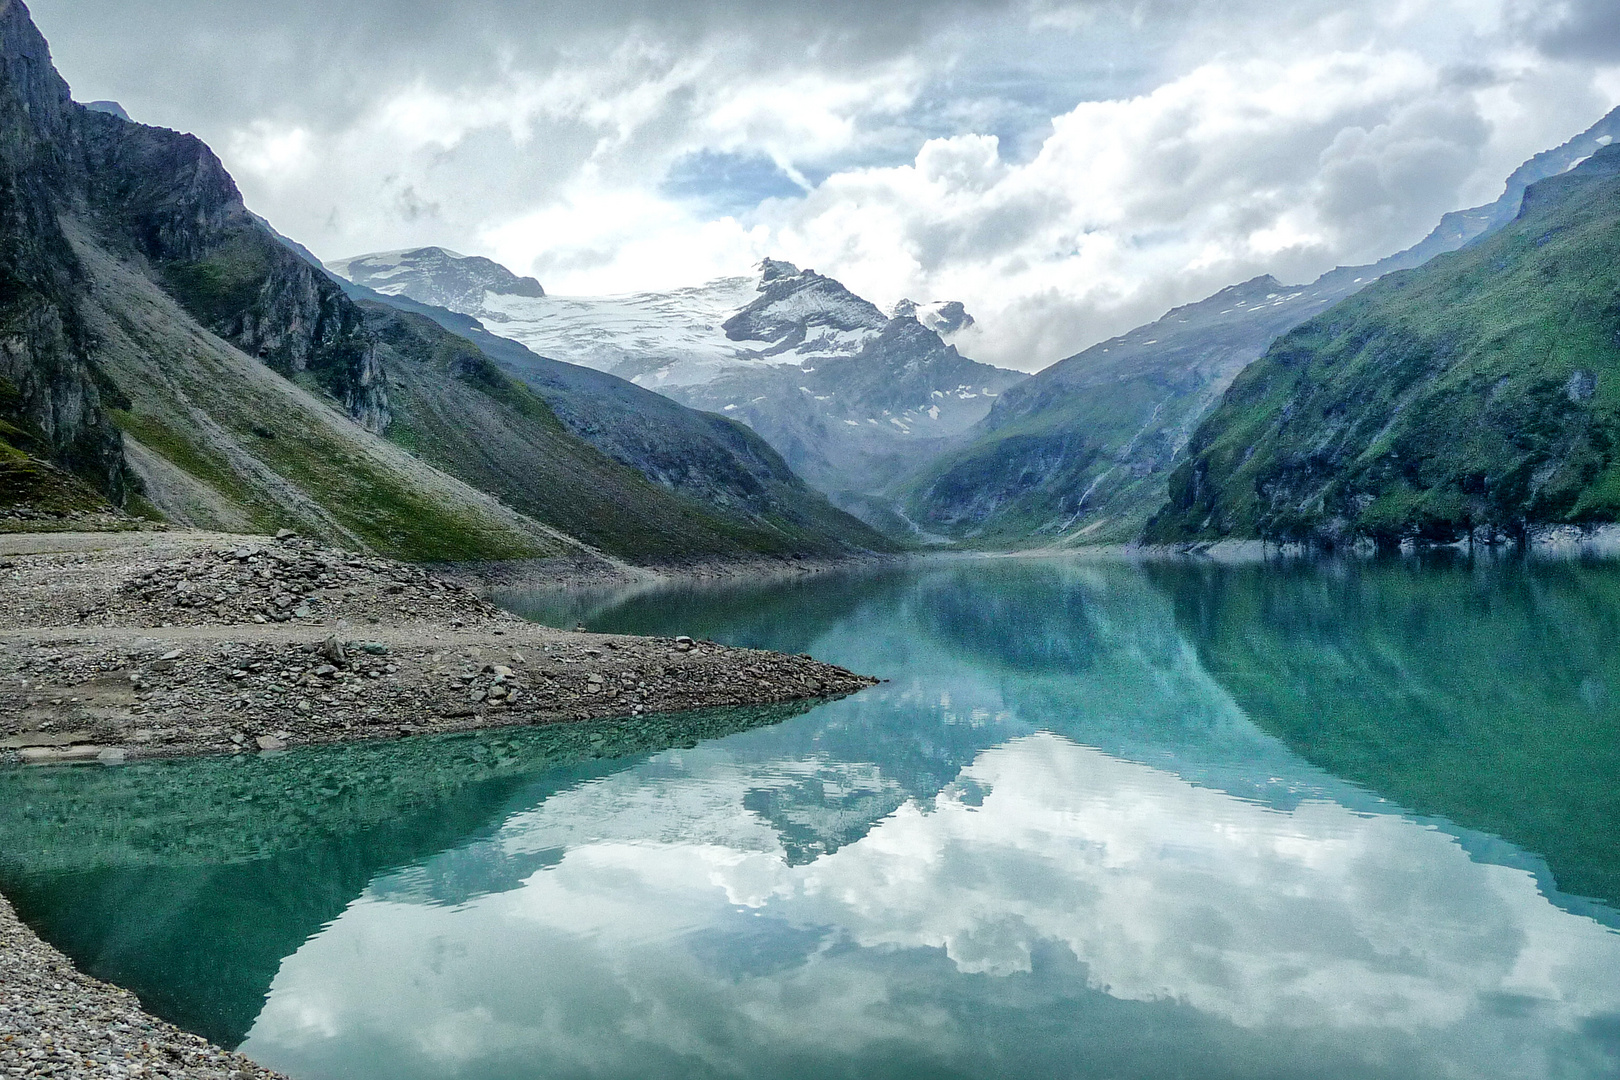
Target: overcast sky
[[1068, 170]]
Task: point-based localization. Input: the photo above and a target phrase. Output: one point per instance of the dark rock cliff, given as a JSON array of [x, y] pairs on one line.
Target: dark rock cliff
[[166, 198], [48, 391], [163, 200]]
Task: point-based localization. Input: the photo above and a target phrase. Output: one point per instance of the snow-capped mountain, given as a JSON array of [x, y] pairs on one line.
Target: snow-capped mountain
[[947, 318], [434, 275], [851, 397], [784, 317]]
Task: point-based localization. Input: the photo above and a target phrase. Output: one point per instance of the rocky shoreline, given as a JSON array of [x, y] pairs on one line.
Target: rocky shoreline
[[163, 644], [118, 646], [57, 1021]]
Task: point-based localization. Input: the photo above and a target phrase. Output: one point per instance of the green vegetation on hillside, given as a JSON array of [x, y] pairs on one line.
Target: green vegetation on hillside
[[264, 453], [219, 287], [1081, 452], [1480, 392]]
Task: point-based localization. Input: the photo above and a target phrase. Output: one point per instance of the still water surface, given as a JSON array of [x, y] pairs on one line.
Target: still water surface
[[1304, 820]]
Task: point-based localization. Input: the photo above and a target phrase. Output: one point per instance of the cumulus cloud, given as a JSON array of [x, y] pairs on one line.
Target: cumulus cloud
[[1235, 169], [1067, 169]]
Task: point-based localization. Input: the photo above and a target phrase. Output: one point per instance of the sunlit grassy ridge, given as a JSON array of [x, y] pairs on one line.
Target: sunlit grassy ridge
[[1481, 390]]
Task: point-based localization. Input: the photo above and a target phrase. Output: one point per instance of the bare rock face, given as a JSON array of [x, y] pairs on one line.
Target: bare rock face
[[167, 198], [163, 201], [48, 392]]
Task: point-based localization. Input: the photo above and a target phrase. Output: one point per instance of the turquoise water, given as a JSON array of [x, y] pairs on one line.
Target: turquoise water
[[1301, 820]]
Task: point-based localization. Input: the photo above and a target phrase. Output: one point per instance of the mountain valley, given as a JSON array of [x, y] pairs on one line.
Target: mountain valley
[[850, 397], [1082, 452]]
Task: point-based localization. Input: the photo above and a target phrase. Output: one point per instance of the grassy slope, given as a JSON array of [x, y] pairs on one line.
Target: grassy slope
[[272, 454], [746, 498], [1081, 452], [462, 413], [1022, 484], [1482, 389]]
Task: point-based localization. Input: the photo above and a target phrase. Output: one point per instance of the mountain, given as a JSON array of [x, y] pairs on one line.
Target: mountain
[[943, 317], [1082, 451], [1477, 396], [737, 493], [166, 351], [850, 397], [436, 276]]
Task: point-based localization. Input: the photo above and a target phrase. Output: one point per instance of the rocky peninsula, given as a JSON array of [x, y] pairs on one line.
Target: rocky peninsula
[[120, 646]]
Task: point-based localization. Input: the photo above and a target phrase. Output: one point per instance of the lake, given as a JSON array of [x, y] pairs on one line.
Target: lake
[[1178, 819]]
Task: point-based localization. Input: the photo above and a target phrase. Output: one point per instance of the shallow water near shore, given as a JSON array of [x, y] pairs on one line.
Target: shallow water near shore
[[1294, 819]]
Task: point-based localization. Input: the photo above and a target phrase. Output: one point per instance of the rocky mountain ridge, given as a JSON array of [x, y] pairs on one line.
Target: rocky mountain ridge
[[850, 397], [435, 275]]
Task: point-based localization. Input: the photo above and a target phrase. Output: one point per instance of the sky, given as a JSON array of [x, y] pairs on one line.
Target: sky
[[1069, 169]]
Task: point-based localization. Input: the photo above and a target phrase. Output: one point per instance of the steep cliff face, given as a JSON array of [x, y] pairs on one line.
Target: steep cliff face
[[164, 200], [50, 405]]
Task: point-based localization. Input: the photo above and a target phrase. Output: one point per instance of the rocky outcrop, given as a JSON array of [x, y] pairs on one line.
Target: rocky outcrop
[[800, 310], [48, 386], [165, 198], [943, 317], [159, 198]]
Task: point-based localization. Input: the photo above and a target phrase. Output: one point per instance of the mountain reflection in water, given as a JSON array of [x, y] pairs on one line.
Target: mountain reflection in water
[[1104, 821]]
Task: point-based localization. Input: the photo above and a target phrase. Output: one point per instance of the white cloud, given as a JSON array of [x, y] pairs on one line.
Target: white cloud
[[1068, 170], [1234, 169]]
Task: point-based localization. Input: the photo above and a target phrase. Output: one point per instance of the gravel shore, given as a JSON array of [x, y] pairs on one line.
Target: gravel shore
[[55, 1021], [163, 644], [116, 646]]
